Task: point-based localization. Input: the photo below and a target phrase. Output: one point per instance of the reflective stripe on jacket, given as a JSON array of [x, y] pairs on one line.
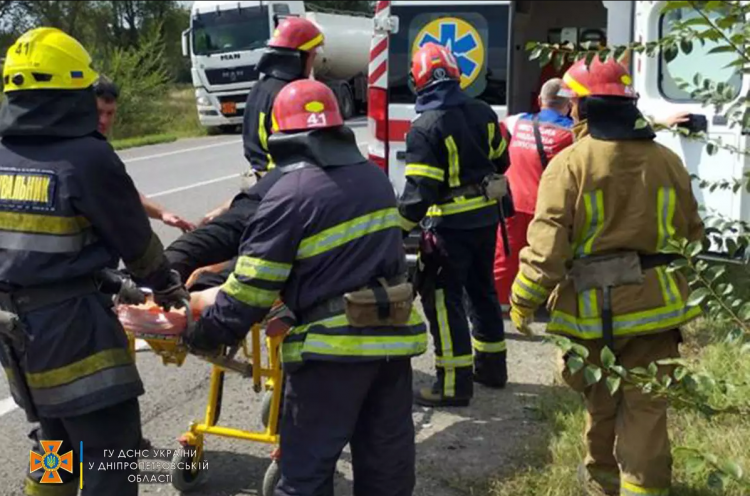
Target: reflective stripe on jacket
[[609, 196], [446, 149], [312, 240]]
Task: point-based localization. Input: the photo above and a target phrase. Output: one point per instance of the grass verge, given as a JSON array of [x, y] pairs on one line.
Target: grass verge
[[550, 468], [173, 117]]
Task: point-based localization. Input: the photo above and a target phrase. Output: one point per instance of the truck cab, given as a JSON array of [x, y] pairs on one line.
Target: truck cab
[[225, 41], [496, 68]]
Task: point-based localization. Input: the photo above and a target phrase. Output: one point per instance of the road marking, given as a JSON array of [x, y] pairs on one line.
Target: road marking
[[177, 152], [7, 405], [141, 345], [194, 185]]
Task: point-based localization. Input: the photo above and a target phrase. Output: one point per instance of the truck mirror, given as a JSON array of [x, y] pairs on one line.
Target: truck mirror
[[185, 43]]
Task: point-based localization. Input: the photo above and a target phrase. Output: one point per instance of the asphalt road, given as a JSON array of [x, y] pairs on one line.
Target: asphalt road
[[190, 177]]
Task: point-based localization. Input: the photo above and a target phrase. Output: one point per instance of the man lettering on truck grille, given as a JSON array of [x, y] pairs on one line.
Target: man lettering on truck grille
[[607, 206], [535, 139], [212, 248], [326, 241], [452, 151], [68, 211]]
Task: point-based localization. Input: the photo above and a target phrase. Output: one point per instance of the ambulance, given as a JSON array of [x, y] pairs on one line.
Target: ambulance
[[489, 39]]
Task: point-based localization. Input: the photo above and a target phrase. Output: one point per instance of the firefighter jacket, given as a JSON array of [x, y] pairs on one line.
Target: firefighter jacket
[[68, 209], [615, 189], [329, 226], [454, 143], [279, 68], [526, 168]]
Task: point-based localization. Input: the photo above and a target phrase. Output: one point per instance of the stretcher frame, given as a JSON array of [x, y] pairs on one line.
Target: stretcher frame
[[266, 376]]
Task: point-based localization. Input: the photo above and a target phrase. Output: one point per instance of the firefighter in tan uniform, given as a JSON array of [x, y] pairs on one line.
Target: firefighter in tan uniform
[[607, 206]]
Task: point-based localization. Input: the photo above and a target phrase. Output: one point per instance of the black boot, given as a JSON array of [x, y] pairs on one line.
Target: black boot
[[491, 369], [435, 396]]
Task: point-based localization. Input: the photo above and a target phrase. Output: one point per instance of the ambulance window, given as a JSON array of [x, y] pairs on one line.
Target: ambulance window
[[482, 53], [684, 67]]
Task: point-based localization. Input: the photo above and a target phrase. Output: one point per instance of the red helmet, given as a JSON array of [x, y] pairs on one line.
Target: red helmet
[[297, 34], [433, 63], [608, 78], [305, 104]]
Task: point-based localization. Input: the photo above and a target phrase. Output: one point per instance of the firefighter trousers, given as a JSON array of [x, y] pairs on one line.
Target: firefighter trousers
[[117, 429], [367, 405], [467, 270], [628, 450]]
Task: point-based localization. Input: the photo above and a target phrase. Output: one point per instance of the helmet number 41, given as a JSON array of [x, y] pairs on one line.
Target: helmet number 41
[[316, 120]]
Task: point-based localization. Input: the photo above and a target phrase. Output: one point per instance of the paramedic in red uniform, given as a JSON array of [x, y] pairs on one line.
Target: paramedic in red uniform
[[527, 161]]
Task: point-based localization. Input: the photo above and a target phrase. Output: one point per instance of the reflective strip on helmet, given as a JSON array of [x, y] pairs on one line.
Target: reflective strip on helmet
[[249, 294], [427, 171], [578, 88], [346, 232], [454, 168], [312, 43], [484, 347]]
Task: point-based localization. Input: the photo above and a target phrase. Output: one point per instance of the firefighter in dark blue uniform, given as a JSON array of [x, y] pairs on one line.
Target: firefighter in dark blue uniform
[[289, 57], [455, 154], [326, 240], [69, 210]]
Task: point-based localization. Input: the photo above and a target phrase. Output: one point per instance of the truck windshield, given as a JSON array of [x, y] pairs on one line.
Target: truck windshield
[[230, 30]]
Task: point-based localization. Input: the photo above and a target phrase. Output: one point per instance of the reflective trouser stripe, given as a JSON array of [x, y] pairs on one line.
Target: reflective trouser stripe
[[446, 342], [483, 347], [33, 488], [454, 168], [346, 232], [454, 362], [630, 489]]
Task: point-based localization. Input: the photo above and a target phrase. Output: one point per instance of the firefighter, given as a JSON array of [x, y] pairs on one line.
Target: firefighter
[[290, 56], [69, 210], [107, 94], [535, 139], [607, 206], [451, 150], [326, 240]]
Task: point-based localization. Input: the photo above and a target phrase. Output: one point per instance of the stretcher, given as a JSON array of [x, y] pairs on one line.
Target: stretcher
[[249, 361]]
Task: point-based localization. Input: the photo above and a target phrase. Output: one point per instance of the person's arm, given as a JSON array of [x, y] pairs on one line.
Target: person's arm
[[268, 251], [213, 214], [108, 199], [543, 262], [498, 147], [424, 177], [157, 212]]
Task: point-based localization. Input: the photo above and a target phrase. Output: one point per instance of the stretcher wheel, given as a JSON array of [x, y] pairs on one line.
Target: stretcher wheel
[[271, 479], [265, 407], [183, 478]]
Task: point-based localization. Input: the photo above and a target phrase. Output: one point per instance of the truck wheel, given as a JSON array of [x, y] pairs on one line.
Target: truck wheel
[[271, 479], [346, 102]]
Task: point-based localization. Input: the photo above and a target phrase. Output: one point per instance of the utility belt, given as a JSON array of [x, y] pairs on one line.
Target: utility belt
[[492, 187], [609, 271], [385, 302], [25, 300]]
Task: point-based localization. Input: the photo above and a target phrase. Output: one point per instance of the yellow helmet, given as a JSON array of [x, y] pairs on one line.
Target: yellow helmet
[[47, 59]]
